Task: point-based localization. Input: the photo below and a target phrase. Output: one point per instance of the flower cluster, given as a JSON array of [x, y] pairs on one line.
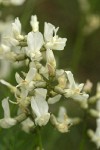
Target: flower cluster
[[43, 84]]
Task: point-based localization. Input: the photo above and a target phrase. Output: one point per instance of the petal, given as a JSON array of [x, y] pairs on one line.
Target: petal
[[54, 99], [35, 107], [59, 44], [27, 125], [35, 41], [41, 92], [43, 120], [16, 27], [18, 78], [50, 58], [80, 97], [7, 122], [71, 79], [48, 31], [41, 100], [6, 109], [11, 87], [80, 86], [38, 103], [30, 75], [61, 114]]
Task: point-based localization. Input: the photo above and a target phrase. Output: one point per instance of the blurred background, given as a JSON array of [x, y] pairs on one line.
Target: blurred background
[[79, 22]]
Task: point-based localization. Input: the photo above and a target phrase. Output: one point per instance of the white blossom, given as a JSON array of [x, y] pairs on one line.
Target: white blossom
[[7, 121], [53, 41], [27, 125], [74, 91], [16, 29], [40, 107], [26, 84], [35, 42], [62, 122]]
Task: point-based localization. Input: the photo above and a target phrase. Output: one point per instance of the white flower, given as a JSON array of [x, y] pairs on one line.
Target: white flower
[[74, 91], [53, 41], [27, 125], [62, 122], [34, 23], [34, 42], [7, 121], [16, 29], [40, 107], [27, 84]]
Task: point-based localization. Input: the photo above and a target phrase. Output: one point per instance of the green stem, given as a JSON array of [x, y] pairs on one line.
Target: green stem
[[39, 139], [83, 140]]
